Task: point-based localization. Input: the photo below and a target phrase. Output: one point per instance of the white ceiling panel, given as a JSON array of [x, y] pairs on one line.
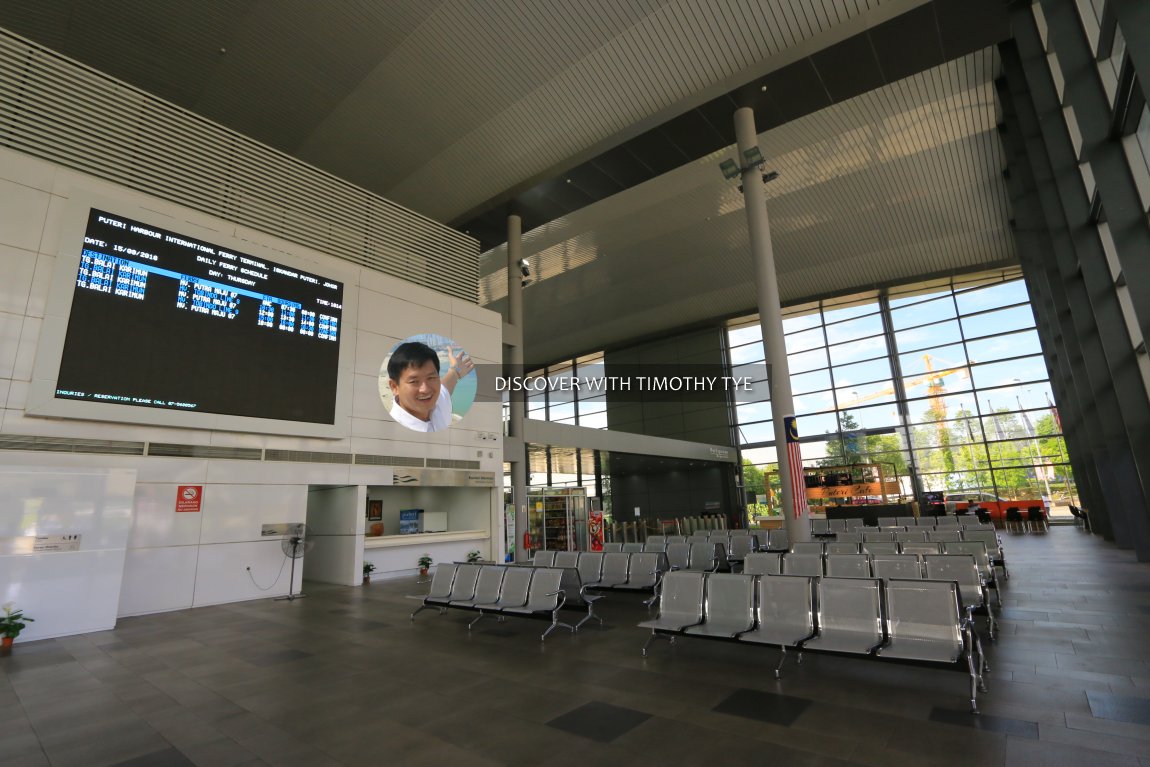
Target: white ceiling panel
[[896, 183]]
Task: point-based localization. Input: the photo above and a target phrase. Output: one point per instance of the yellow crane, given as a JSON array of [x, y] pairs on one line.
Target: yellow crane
[[935, 387]]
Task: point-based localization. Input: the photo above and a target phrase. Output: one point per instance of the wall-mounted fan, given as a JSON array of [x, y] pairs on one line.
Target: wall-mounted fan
[[296, 542]]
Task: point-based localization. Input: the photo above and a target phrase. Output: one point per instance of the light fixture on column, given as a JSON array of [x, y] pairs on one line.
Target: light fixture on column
[[754, 159]]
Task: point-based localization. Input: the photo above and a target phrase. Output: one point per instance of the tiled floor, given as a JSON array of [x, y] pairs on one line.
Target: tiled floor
[[343, 677]]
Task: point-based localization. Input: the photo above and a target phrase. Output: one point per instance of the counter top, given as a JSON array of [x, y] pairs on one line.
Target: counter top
[[388, 541]]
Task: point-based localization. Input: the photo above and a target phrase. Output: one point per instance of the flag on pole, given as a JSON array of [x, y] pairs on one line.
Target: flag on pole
[[998, 433], [795, 465], [1054, 412]]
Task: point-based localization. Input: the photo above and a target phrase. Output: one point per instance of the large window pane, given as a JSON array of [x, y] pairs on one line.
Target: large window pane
[[834, 312], [875, 417], [994, 296], [935, 358], [806, 361], [938, 383], [866, 348], [808, 382], [939, 408], [1023, 396], [815, 402], [753, 411], [751, 433], [805, 341], [801, 322], [862, 372], [1001, 347], [819, 423], [1001, 321], [872, 394], [923, 313], [927, 336], [852, 330], [745, 334], [748, 353], [1013, 371]]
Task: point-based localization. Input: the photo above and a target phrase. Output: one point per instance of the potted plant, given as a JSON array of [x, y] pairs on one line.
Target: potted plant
[[473, 556], [368, 567], [424, 564], [11, 624]]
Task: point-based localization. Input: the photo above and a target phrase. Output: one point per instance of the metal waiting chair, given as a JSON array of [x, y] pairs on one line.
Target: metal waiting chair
[[633, 548], [728, 606], [925, 622], [762, 563], [921, 547], [680, 605], [778, 539], [439, 595], [807, 547], [609, 547], [839, 547], [851, 536], [679, 555], [706, 556], [977, 549], [896, 566], [544, 596], [882, 547], [512, 593], [820, 527], [784, 612], [802, 564], [962, 569], [543, 559], [616, 567], [849, 616], [847, 565], [566, 559]]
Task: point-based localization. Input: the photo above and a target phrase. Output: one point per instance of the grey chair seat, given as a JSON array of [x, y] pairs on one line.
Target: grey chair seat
[[785, 611], [850, 616], [729, 606], [923, 648]]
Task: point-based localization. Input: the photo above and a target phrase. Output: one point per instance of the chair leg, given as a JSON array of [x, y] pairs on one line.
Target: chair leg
[[555, 623], [477, 619], [590, 614], [782, 660], [656, 635]]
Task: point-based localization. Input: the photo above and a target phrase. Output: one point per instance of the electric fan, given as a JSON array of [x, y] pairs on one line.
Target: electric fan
[[296, 542]]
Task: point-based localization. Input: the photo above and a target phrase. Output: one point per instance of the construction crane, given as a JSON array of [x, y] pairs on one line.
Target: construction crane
[[935, 387]]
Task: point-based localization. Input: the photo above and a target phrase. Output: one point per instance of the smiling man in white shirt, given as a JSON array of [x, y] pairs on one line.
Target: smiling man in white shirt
[[422, 395]]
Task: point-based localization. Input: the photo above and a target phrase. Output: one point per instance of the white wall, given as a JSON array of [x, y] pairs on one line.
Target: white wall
[[64, 592], [174, 561], [335, 520]]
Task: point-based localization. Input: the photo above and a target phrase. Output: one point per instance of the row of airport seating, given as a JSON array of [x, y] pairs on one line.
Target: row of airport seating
[[509, 590], [828, 526], [960, 562], [986, 535], [920, 621]]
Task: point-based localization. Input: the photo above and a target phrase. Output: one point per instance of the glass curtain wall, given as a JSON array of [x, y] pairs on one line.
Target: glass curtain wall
[[941, 382]]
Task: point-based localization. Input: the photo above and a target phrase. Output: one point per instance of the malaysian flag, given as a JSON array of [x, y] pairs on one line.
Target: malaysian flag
[[795, 464], [1054, 412]]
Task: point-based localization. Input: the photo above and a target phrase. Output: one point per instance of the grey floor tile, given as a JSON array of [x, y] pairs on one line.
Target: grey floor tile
[[764, 707], [598, 721], [1122, 708], [986, 722]]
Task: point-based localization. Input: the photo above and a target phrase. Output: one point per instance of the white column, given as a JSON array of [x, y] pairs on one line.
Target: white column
[[518, 401], [770, 318]]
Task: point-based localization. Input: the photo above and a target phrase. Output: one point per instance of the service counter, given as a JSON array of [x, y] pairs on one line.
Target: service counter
[[398, 555]]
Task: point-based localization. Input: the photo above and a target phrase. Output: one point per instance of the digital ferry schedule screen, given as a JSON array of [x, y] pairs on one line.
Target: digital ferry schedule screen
[[162, 320]]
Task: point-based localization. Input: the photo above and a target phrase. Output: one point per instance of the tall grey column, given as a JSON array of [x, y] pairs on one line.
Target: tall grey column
[[517, 399], [771, 321]]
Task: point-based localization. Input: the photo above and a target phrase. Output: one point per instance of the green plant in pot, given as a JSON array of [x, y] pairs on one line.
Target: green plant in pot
[[368, 568], [11, 624], [473, 556], [424, 564]]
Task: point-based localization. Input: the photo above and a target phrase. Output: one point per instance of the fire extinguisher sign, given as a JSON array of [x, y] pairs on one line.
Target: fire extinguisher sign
[[188, 497]]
